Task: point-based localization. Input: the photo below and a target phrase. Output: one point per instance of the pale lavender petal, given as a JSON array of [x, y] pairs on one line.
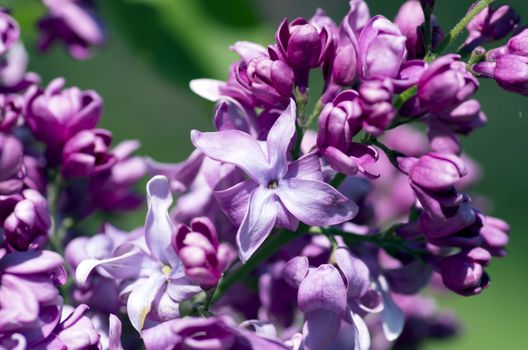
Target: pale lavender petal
[[234, 147], [295, 271], [114, 333], [307, 167], [182, 289], [235, 200], [207, 88], [315, 202], [248, 50], [392, 317], [320, 328], [279, 138], [140, 299], [258, 222], [22, 263], [158, 225]]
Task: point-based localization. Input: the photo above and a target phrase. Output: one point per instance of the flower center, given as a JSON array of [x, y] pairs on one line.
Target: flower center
[[166, 270], [273, 184]]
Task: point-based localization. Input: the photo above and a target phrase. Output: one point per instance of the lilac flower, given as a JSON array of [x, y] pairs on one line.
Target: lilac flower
[[13, 75], [31, 304], [201, 254], [509, 71], [150, 273], [339, 121], [87, 153], [445, 84], [464, 273], [357, 17], [494, 233], [54, 116], [10, 111], [11, 165], [381, 49], [75, 24], [270, 81], [113, 189], [100, 292], [410, 19], [376, 105], [489, 25], [29, 222], [200, 334], [9, 32], [277, 193]]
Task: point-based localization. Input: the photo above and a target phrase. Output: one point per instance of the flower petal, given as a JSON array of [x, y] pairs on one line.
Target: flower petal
[[182, 289], [361, 333], [140, 299], [114, 333], [234, 147], [158, 225], [207, 88], [392, 317], [315, 202], [320, 328], [307, 168], [257, 223], [279, 139], [235, 200]]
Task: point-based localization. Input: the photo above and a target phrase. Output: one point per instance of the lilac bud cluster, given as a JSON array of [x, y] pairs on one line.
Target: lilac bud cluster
[[321, 230]]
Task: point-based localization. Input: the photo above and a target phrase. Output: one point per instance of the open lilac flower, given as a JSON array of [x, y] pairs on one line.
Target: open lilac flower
[[11, 164], [151, 273], [9, 32], [278, 192]]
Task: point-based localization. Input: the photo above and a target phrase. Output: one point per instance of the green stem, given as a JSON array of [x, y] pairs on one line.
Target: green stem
[[427, 40], [458, 28], [405, 96], [338, 180], [315, 113], [267, 250]]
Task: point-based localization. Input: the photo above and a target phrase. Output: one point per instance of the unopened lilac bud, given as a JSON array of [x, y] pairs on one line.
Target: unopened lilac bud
[[437, 172], [73, 23], [301, 44], [490, 24], [201, 254], [355, 271], [55, 115], [357, 17], [295, 271], [445, 84], [464, 273], [87, 153], [13, 75], [10, 111], [410, 19], [376, 104], [344, 64], [464, 118], [409, 74], [11, 166], [339, 121], [29, 222], [9, 32], [511, 73], [380, 38], [494, 233], [518, 44], [270, 81]]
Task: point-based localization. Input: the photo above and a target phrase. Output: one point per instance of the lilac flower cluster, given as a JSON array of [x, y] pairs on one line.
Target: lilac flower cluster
[[291, 230]]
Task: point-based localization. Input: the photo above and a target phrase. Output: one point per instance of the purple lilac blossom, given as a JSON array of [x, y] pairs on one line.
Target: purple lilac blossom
[[275, 188], [150, 273]]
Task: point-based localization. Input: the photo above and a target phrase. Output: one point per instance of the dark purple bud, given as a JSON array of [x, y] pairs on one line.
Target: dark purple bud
[[494, 233], [409, 74], [29, 222], [87, 154], [464, 273], [339, 121], [380, 38], [301, 44], [11, 169], [344, 65], [376, 104], [10, 111], [445, 84], [490, 25], [464, 118], [437, 172], [73, 23], [518, 45], [9, 32], [270, 81], [55, 115], [201, 254]]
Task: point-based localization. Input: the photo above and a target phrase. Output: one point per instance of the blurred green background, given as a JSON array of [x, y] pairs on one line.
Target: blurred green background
[[156, 46]]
